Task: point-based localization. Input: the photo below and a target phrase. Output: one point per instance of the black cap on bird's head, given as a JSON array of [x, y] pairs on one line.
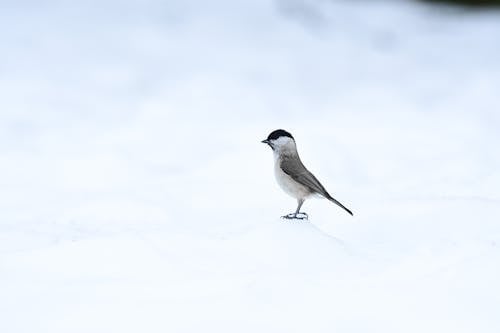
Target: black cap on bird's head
[[279, 133], [276, 135]]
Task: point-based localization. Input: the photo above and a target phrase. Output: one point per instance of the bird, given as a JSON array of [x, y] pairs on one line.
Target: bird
[[292, 176]]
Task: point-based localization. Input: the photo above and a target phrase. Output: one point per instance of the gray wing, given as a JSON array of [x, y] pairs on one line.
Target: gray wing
[[293, 167]]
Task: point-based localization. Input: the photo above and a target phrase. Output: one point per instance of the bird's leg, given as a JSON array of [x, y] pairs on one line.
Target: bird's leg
[[297, 215]]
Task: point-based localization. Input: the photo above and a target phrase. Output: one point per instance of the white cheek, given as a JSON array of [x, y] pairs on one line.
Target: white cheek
[[282, 141], [283, 144]]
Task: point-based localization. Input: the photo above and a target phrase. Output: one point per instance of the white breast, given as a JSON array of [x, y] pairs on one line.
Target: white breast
[[287, 184]]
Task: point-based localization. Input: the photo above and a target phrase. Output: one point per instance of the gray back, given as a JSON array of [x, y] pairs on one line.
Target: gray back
[[292, 166]]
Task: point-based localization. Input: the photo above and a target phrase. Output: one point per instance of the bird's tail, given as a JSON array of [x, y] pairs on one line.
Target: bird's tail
[[329, 197]]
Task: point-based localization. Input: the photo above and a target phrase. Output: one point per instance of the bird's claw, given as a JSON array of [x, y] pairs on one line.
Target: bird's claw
[[296, 216]]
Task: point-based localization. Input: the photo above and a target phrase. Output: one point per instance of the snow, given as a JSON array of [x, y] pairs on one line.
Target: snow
[[137, 197]]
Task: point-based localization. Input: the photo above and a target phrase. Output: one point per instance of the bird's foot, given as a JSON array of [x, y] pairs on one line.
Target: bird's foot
[[296, 216]]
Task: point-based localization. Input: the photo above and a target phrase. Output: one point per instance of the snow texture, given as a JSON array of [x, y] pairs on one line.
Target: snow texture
[[137, 197]]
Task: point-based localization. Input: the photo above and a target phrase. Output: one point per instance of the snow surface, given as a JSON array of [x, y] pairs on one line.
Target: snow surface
[[137, 197]]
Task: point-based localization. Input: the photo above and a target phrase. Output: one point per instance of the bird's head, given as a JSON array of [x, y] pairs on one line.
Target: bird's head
[[280, 141]]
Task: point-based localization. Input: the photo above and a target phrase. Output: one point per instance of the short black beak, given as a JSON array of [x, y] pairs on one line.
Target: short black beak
[[265, 141]]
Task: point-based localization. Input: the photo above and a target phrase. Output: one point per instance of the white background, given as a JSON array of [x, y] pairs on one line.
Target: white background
[[136, 195]]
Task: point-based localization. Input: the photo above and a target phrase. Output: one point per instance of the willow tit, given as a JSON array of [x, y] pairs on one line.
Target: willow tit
[[292, 175]]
